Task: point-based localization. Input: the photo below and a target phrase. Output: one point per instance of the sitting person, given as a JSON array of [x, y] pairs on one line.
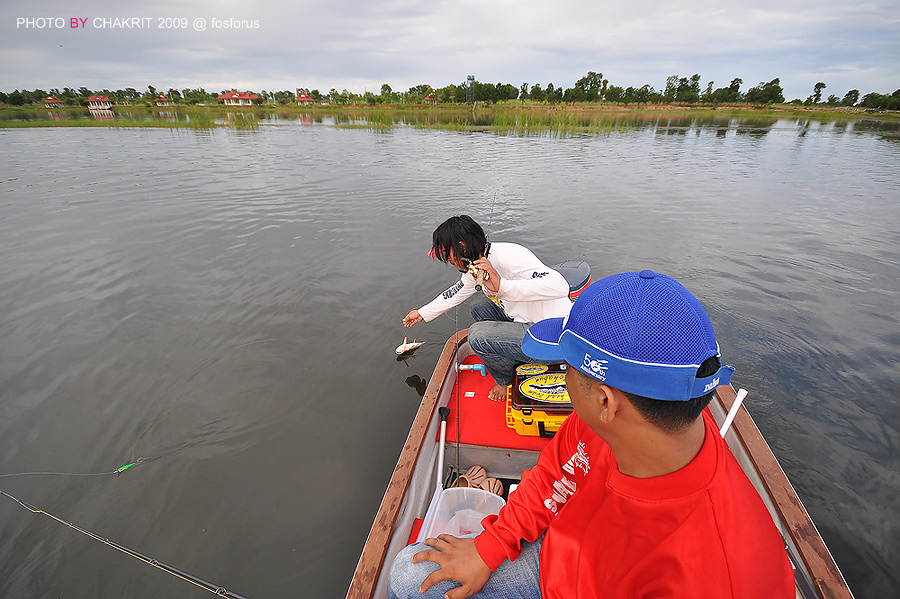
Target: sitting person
[[518, 290], [637, 495]]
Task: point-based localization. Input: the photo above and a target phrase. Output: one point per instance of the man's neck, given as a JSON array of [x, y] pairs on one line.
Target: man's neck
[[653, 452]]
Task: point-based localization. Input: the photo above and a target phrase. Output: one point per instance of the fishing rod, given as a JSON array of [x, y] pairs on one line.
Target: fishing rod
[[177, 572], [476, 272], [479, 281]]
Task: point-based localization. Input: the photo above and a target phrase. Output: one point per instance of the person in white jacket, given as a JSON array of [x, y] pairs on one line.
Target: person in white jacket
[[518, 290]]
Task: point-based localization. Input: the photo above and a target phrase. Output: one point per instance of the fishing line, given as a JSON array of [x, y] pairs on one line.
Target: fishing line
[[491, 216], [456, 320], [456, 326], [178, 573], [118, 470]]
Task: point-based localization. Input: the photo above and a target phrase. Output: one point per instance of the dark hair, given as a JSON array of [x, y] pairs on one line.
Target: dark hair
[[458, 229], [675, 416]]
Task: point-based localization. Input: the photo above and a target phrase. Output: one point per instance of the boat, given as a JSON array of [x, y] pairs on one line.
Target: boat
[[457, 426], [459, 384]]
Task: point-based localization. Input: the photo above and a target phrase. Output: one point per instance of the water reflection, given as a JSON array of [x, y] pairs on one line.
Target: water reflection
[[242, 120], [417, 383], [559, 120], [102, 114], [405, 357]]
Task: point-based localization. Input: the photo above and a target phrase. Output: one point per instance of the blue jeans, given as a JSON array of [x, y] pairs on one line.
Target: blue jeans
[[497, 340], [512, 580]]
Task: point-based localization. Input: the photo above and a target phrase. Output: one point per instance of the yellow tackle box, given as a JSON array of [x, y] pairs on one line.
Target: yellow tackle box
[[537, 402], [533, 423]]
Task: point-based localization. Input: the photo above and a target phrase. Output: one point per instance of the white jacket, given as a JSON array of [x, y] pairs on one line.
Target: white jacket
[[529, 290]]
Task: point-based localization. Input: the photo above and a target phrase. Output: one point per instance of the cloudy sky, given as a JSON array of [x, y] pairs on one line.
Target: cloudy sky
[[359, 45]]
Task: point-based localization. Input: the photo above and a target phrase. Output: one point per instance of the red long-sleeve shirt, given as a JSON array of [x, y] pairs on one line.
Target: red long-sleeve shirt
[[702, 531]]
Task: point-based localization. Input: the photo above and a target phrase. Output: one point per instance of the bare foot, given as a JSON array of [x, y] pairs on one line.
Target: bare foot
[[498, 393]]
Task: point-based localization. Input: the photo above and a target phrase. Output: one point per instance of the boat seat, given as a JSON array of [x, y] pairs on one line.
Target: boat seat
[[577, 273]]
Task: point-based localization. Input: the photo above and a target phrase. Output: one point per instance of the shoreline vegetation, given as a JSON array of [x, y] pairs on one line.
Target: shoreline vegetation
[[593, 103], [507, 116]]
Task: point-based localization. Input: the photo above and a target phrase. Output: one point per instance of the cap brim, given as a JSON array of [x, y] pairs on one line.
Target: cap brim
[[541, 342]]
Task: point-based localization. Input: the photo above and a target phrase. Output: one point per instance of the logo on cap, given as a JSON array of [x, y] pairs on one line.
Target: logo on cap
[[598, 367]]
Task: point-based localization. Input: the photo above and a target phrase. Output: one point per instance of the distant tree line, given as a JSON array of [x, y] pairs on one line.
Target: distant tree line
[[593, 87], [129, 95]]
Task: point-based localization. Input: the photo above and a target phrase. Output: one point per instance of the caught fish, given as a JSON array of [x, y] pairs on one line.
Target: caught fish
[[407, 347]]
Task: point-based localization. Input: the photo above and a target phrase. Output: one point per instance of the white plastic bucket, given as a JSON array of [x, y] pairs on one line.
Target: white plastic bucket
[[459, 511]]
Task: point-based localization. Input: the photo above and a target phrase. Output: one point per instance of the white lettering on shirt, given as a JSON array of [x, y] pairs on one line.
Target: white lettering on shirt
[[564, 488]]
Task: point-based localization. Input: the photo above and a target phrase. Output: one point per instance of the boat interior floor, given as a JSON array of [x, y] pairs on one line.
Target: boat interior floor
[[480, 421]]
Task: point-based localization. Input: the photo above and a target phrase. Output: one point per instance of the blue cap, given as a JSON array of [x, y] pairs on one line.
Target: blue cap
[[639, 332]]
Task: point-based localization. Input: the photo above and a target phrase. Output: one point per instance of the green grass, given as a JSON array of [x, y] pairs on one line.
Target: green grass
[[508, 118], [130, 117]]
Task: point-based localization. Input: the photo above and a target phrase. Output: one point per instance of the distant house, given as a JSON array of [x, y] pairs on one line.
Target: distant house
[[304, 100], [53, 102], [97, 101], [430, 99], [237, 98], [163, 101]]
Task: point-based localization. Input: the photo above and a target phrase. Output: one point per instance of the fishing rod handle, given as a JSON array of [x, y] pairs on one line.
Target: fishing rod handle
[[479, 280]]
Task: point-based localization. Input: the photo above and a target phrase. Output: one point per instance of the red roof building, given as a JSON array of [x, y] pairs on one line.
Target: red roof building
[[430, 99], [304, 99], [162, 100], [233, 98], [53, 102], [97, 101]]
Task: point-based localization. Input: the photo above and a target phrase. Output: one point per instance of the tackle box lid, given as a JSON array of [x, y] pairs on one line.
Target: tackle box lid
[[541, 387]]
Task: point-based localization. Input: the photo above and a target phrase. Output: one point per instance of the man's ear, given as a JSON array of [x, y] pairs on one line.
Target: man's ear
[[608, 402]]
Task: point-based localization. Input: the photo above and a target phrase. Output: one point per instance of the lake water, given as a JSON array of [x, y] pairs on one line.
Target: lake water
[[225, 303]]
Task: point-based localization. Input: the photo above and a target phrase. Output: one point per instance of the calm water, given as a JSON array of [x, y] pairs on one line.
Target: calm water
[[225, 304]]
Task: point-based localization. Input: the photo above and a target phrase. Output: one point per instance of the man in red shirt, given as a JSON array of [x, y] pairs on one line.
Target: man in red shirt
[[637, 496]]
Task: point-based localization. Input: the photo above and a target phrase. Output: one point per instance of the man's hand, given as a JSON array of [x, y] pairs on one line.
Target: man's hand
[[458, 560], [491, 276], [412, 318]]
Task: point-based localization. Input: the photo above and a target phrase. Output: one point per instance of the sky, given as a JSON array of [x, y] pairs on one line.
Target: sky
[[359, 45]]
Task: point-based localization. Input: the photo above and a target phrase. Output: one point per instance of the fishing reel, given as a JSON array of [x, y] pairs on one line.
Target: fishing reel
[[473, 270]]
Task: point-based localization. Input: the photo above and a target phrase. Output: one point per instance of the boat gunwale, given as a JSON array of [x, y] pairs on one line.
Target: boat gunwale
[[821, 569], [371, 561]]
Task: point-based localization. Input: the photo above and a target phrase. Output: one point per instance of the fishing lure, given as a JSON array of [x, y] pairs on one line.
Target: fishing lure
[[127, 466]]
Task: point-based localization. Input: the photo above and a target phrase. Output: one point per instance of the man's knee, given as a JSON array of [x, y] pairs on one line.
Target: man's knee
[[406, 577], [483, 309], [479, 334]]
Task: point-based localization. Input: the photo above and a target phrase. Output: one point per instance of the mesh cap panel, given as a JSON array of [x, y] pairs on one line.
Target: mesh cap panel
[[645, 317], [640, 332]]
